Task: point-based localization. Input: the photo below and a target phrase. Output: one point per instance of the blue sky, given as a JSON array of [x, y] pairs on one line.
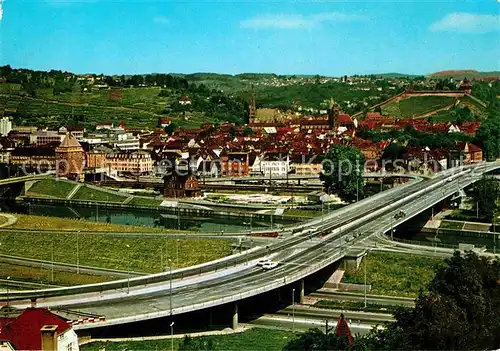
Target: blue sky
[[302, 37]]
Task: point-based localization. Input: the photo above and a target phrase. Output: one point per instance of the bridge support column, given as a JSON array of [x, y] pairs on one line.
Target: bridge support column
[[235, 317], [302, 284], [33, 303]]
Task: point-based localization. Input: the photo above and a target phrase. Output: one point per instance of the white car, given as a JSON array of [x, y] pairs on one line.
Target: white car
[[263, 261], [269, 265]]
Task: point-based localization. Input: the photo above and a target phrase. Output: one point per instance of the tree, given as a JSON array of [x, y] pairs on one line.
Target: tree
[[463, 115], [29, 86], [171, 128], [343, 172], [201, 344], [485, 195], [488, 136], [315, 339], [459, 310]]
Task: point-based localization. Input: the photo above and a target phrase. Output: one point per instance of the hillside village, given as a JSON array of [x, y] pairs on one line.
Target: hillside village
[[271, 142]]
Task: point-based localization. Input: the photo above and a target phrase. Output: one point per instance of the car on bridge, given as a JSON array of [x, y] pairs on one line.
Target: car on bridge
[[400, 214], [263, 261], [269, 265]]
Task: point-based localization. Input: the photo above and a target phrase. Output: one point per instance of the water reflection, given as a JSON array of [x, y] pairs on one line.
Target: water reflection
[[142, 218]]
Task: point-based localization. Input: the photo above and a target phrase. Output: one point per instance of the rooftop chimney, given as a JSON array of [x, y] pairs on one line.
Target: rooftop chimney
[[49, 337]]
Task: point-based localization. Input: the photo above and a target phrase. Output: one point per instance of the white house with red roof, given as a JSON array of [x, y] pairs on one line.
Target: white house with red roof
[[185, 101], [24, 332]]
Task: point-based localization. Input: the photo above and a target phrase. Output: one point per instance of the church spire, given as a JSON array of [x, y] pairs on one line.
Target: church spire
[[251, 108]]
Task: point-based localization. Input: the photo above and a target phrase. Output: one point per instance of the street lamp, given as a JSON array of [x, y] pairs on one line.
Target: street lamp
[[365, 264], [128, 269], [8, 291], [178, 240], [293, 309], [52, 261], [170, 265], [77, 253], [172, 335]]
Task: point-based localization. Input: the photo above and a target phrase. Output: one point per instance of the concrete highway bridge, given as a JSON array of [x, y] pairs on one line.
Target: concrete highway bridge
[[12, 187], [228, 282]]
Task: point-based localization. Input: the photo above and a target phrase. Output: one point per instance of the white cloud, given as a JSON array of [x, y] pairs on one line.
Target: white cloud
[[467, 23], [1, 9], [283, 21], [161, 19]]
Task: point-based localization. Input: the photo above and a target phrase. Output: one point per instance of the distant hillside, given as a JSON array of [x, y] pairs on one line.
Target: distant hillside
[[440, 107], [451, 73], [460, 74]]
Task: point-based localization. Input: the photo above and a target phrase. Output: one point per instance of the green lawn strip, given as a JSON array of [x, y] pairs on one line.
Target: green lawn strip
[[467, 216], [451, 225], [252, 339], [395, 274], [52, 188], [355, 306], [90, 194], [135, 253], [444, 116], [70, 224], [147, 202], [415, 105], [293, 212], [44, 275]]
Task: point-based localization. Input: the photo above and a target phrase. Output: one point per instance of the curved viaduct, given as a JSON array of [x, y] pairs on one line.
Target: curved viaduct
[[238, 277]]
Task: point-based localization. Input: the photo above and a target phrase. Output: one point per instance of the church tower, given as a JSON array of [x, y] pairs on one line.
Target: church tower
[[69, 158], [251, 109], [333, 116]]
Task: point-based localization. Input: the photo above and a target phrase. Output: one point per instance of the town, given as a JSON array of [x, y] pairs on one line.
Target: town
[[249, 176]]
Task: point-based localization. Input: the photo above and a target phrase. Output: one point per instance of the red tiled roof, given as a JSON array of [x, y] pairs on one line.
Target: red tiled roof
[[23, 332], [345, 118], [470, 127], [314, 122], [474, 148]]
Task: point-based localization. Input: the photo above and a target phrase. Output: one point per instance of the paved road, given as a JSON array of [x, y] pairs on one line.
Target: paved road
[[327, 294], [341, 229]]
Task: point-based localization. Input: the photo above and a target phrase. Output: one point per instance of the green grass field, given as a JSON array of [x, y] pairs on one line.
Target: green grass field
[[68, 224], [90, 194], [395, 274], [102, 250], [138, 109], [415, 105], [257, 339], [355, 306], [451, 225], [141, 201], [44, 275], [52, 188]]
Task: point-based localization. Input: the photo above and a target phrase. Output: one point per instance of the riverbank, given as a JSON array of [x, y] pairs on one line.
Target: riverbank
[[33, 222], [73, 245]]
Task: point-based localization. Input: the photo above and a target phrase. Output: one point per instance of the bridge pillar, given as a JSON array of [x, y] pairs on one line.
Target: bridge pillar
[[33, 303], [302, 284], [235, 317]]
